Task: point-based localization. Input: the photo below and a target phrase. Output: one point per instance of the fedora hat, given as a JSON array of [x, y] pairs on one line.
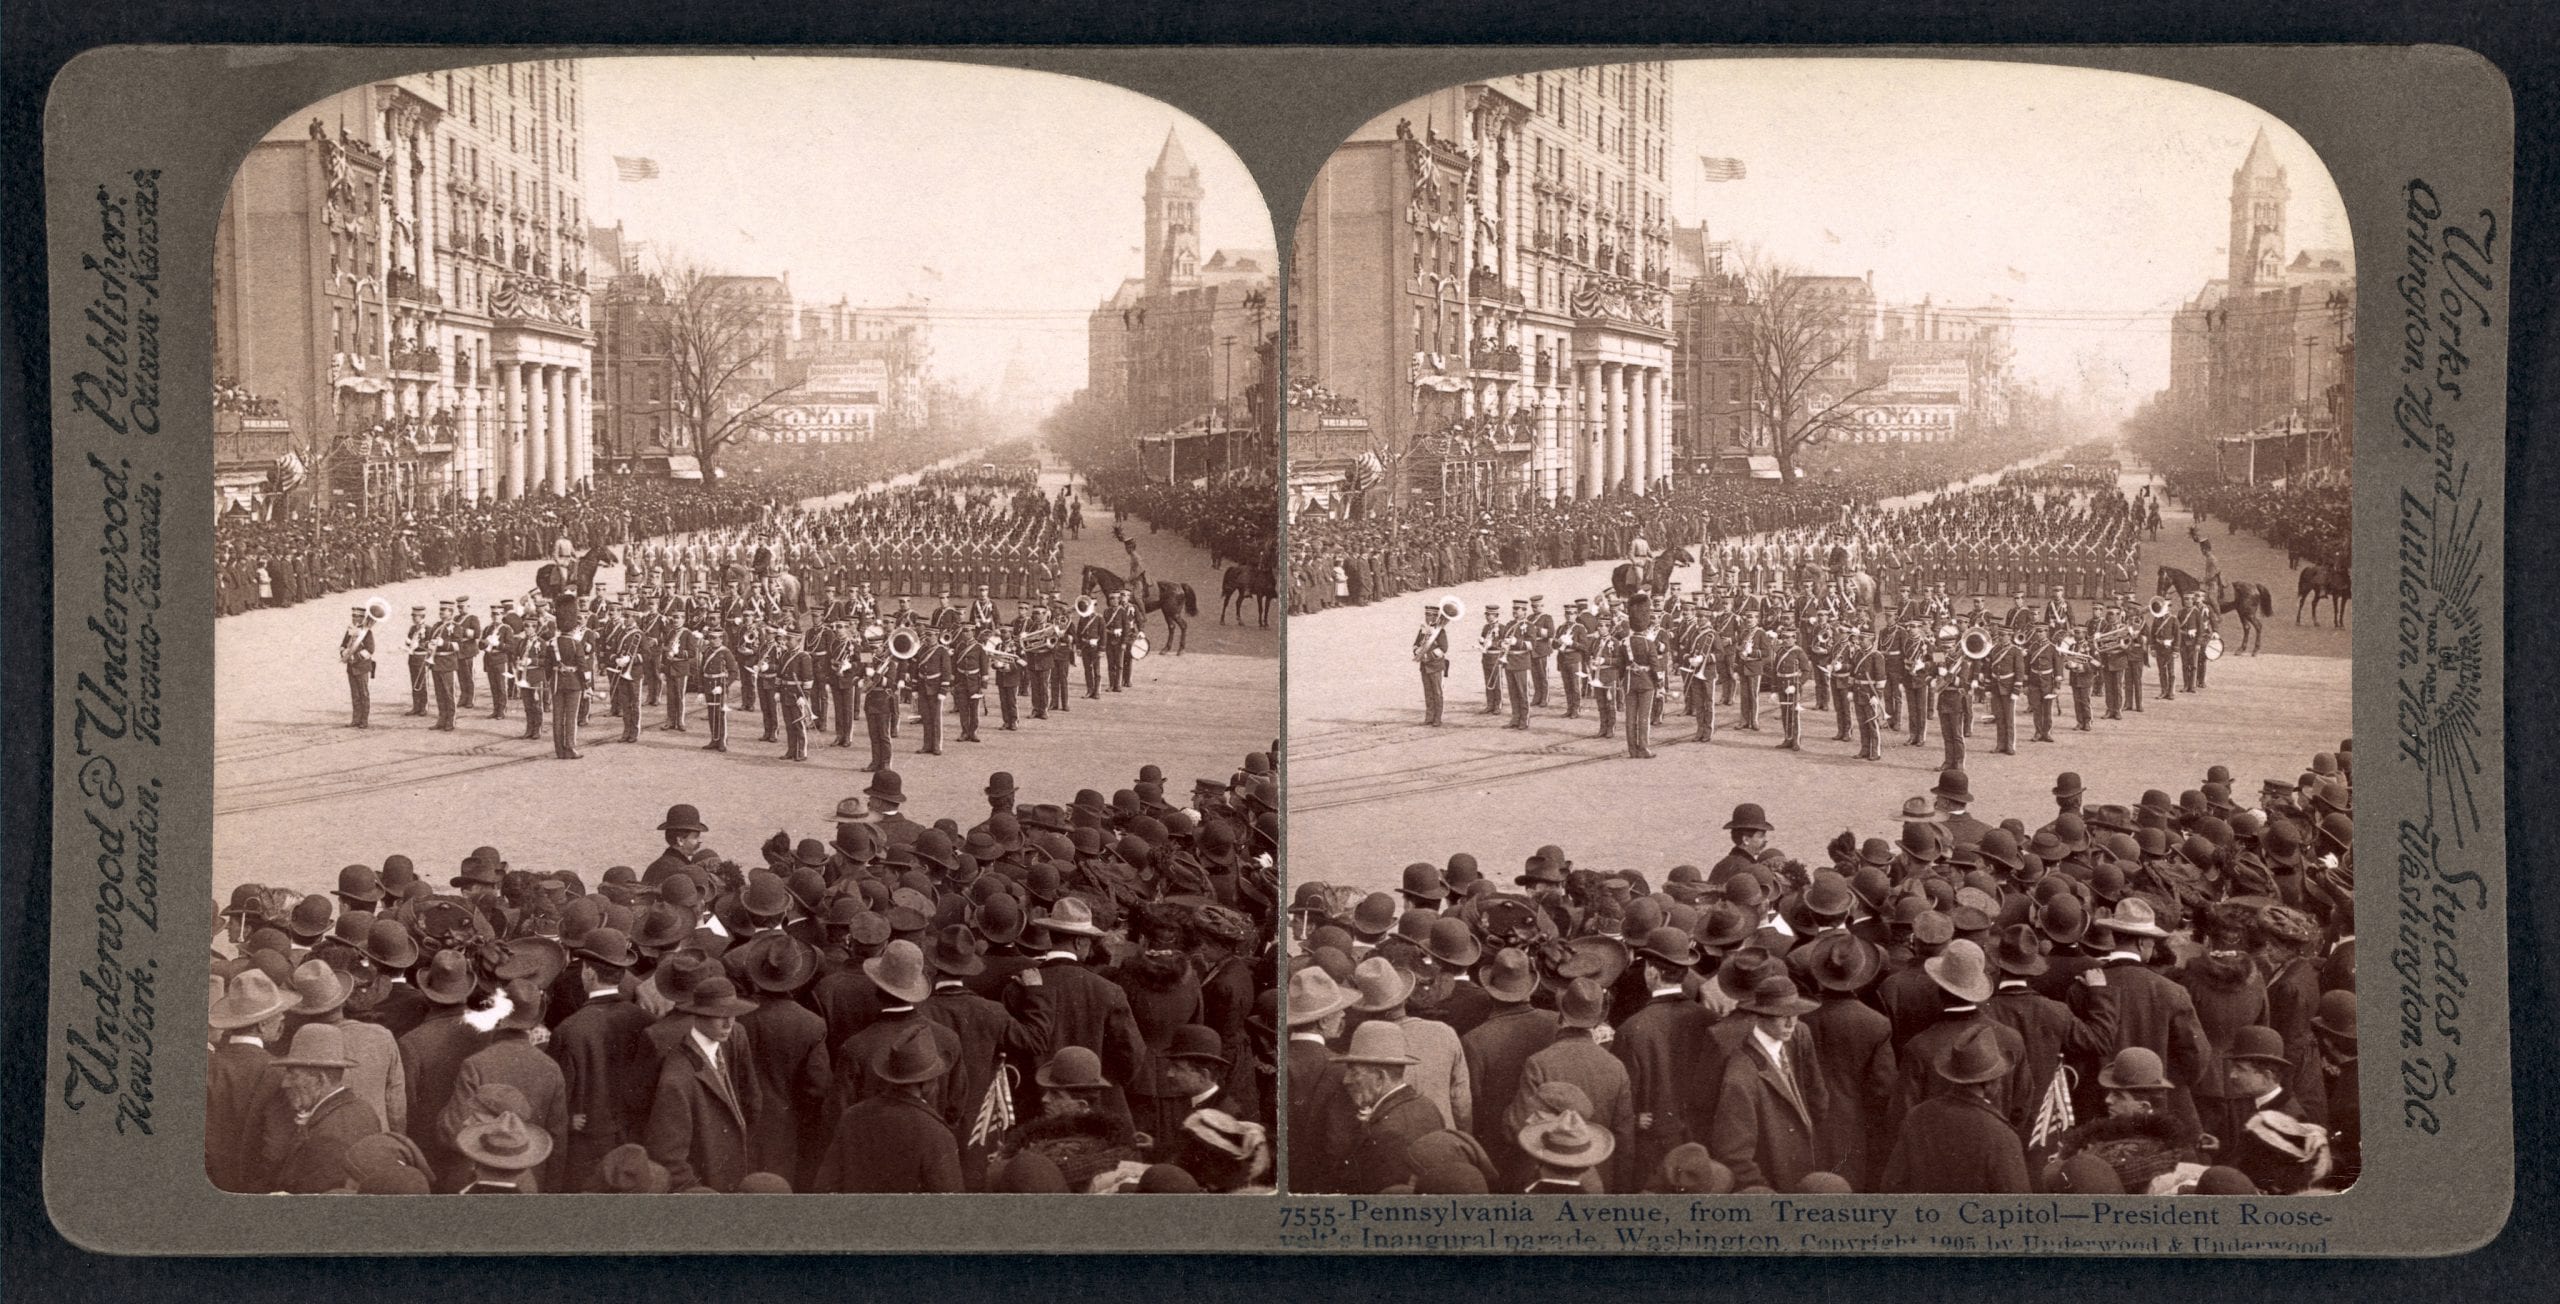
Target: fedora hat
[[479, 873], [1953, 786], [2258, 1043], [1315, 996], [2134, 917], [251, 999], [1196, 1041], [319, 989], [627, 1169], [1749, 817], [1377, 1042], [2017, 949], [1922, 841], [899, 970], [1843, 961], [1721, 926], [1974, 1056], [1566, 1140], [1690, 1170], [683, 819], [1828, 896], [955, 950], [2135, 1068], [1070, 915], [504, 1142], [887, 786], [716, 997], [1959, 970], [912, 1056], [352, 929], [781, 964], [1774, 994], [1508, 976], [1453, 943], [1382, 986], [767, 894], [2000, 847], [448, 978], [1582, 1004]]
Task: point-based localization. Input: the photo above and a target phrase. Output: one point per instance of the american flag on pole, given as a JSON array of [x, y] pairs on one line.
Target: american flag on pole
[[1722, 169], [995, 1113], [2053, 1114], [635, 169]]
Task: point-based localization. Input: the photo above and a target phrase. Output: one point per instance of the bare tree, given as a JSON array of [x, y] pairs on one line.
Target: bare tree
[[722, 357], [1803, 358]]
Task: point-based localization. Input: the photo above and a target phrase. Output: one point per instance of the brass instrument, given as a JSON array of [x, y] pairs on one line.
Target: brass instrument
[[2159, 608], [1452, 609], [904, 645], [1976, 645], [377, 608], [1084, 605]]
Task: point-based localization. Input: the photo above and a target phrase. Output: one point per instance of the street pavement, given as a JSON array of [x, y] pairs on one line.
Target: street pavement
[[1371, 790], [297, 793]]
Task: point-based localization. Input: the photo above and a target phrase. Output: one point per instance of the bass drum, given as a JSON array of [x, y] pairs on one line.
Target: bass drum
[[2213, 648], [1138, 648]]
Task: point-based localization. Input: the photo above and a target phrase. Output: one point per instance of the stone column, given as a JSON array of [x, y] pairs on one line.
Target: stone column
[[511, 425], [557, 419], [582, 433], [1551, 438], [1595, 462], [1613, 398], [1660, 407], [537, 429], [1511, 184]]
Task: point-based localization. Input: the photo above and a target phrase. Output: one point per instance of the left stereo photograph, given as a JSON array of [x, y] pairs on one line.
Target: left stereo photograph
[[744, 643]]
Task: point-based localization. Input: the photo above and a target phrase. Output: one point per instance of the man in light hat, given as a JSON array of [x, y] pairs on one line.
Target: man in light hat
[[1321, 1116], [510, 1057], [1771, 1101], [1962, 976], [2151, 1009], [1390, 1112], [504, 1152], [241, 1077], [373, 1075], [316, 1117], [1439, 1071], [1568, 1149]]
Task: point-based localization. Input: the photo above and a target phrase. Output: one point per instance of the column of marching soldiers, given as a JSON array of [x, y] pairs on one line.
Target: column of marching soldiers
[[2105, 997], [1753, 637], [1063, 996], [721, 616]]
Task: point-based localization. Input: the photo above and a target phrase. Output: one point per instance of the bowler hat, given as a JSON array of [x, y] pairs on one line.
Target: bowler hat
[[360, 883], [1000, 920], [913, 1055], [1314, 996], [504, 1142], [2066, 784], [2000, 847], [1194, 1041], [1669, 946], [683, 819], [887, 787], [1453, 943], [627, 1169], [1959, 969], [479, 873], [2258, 1042], [606, 946], [1000, 785], [1076, 1068], [1974, 1056], [2063, 919], [1953, 786], [388, 945], [716, 997], [251, 999], [1922, 841], [2135, 1068], [1374, 917], [1422, 879], [1377, 1042], [352, 929], [1749, 817], [2336, 1014]]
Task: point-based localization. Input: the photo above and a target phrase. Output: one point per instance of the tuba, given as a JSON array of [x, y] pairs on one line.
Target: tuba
[[1084, 605], [904, 645], [378, 608], [1452, 610], [1976, 644], [2159, 607]]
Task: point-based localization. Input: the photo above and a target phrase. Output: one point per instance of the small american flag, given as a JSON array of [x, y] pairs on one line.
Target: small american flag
[[1722, 169], [635, 169], [995, 1113], [2053, 1115]]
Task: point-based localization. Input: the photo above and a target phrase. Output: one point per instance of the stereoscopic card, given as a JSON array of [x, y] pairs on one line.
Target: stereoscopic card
[[1407, 651]]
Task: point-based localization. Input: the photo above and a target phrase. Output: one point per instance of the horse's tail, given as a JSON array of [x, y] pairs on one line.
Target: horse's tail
[[2266, 602], [1190, 601]]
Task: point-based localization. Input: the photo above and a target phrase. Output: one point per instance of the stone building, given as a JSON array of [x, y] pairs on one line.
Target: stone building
[[1487, 271], [401, 270]]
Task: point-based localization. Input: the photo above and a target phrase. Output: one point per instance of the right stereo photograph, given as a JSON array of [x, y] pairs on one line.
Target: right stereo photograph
[[1788, 681]]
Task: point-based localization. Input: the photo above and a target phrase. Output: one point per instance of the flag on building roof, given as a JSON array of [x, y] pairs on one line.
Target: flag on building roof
[[288, 471], [1722, 169], [635, 169]]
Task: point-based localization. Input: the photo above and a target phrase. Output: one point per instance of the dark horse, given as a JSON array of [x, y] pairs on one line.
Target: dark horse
[[2317, 582], [1242, 582], [2250, 600], [1173, 598], [1654, 577]]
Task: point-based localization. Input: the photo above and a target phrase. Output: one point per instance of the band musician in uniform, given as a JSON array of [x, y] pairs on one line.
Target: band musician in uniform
[[793, 678], [355, 648], [719, 666], [415, 643], [1431, 658], [1489, 647], [968, 680], [1788, 671], [566, 668], [1641, 661], [930, 673], [1087, 631]]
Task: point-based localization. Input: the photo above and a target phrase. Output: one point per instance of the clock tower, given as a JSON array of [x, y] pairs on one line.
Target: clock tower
[[1173, 221]]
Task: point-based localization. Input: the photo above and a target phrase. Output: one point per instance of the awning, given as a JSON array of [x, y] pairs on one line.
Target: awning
[[684, 466]]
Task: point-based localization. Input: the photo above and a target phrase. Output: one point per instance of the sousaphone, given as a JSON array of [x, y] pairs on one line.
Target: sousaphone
[[1452, 609], [378, 607], [1084, 605], [904, 645], [1976, 644]]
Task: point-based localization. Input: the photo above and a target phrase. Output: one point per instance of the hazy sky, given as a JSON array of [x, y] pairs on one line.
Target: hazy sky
[[2074, 194], [1021, 189]]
